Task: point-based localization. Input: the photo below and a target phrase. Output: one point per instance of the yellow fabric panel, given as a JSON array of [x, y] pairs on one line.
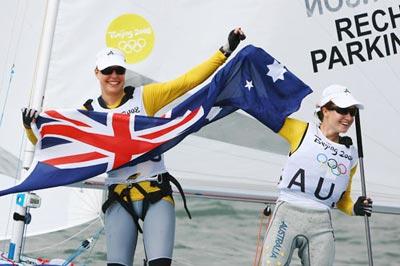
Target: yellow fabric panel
[[158, 95], [345, 204], [29, 134], [116, 104], [136, 195], [293, 131]]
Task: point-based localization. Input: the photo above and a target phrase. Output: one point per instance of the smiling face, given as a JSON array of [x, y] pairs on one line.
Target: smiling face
[[335, 121], [112, 84]]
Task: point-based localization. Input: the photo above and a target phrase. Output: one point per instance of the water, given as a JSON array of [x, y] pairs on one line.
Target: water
[[225, 233]]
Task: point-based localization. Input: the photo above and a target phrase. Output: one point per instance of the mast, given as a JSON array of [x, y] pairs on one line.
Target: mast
[[363, 187], [25, 200]]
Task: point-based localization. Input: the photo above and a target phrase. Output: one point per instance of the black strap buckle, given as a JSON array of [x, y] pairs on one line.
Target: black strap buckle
[[160, 179]]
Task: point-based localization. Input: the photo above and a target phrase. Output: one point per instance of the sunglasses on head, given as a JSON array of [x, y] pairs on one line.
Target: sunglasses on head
[[344, 111], [109, 70]]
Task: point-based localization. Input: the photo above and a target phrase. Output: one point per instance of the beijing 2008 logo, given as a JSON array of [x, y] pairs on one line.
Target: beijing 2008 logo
[[133, 35], [336, 169]]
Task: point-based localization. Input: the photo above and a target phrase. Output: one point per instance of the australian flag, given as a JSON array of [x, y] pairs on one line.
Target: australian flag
[[74, 145]]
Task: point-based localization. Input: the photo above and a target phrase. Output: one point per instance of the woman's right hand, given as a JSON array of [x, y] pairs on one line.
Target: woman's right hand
[[234, 38], [29, 115]]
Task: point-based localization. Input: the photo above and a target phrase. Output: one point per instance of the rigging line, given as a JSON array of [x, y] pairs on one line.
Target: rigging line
[[85, 245], [393, 71], [87, 204], [12, 72], [370, 190], [7, 93], [9, 45], [91, 199], [386, 196], [223, 176], [379, 192], [9, 222], [24, 236], [22, 142], [238, 156], [383, 195], [19, 166], [360, 70], [84, 211], [257, 257], [7, 259], [393, 195], [66, 240], [95, 238], [383, 146], [385, 186]]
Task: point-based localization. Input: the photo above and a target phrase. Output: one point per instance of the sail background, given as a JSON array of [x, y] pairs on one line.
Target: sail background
[[61, 207], [183, 38], [185, 34]]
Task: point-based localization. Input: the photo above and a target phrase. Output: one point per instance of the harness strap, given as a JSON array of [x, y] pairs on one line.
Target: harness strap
[[146, 199], [128, 206], [129, 90], [168, 177], [88, 105], [149, 197]]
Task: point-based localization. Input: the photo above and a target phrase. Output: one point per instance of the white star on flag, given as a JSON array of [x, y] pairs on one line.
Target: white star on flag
[[249, 84], [276, 71]]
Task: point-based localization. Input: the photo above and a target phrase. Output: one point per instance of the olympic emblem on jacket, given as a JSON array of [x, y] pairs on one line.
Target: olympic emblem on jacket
[[132, 46], [336, 169]]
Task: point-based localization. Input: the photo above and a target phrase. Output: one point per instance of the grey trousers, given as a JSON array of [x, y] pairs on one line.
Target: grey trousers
[[308, 230], [158, 232]]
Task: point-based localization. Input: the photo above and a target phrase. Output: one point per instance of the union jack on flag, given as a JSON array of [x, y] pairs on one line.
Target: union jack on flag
[[112, 140], [76, 145]]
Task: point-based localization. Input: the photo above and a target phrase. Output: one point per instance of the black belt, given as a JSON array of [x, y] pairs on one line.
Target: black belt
[[149, 197]]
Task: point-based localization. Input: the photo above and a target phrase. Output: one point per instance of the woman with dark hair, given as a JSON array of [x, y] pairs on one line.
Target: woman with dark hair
[[316, 178]]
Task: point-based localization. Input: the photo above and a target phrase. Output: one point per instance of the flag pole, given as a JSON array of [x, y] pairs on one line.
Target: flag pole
[[363, 187]]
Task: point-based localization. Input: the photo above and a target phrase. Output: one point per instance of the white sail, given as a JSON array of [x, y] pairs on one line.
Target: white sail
[[61, 207], [354, 43], [358, 39]]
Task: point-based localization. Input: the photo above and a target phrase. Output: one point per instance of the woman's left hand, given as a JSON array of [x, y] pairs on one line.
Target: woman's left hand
[[363, 206]]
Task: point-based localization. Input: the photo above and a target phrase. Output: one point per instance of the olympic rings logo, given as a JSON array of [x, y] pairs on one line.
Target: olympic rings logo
[[336, 169], [132, 46]]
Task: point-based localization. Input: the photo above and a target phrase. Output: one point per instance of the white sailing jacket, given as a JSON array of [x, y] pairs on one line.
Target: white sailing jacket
[[318, 172]]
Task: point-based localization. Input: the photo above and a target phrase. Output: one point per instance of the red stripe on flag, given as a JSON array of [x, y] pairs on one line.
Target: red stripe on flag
[[57, 115], [120, 124], [75, 158]]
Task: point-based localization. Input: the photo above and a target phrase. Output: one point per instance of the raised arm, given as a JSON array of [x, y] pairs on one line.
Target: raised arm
[[157, 95]]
